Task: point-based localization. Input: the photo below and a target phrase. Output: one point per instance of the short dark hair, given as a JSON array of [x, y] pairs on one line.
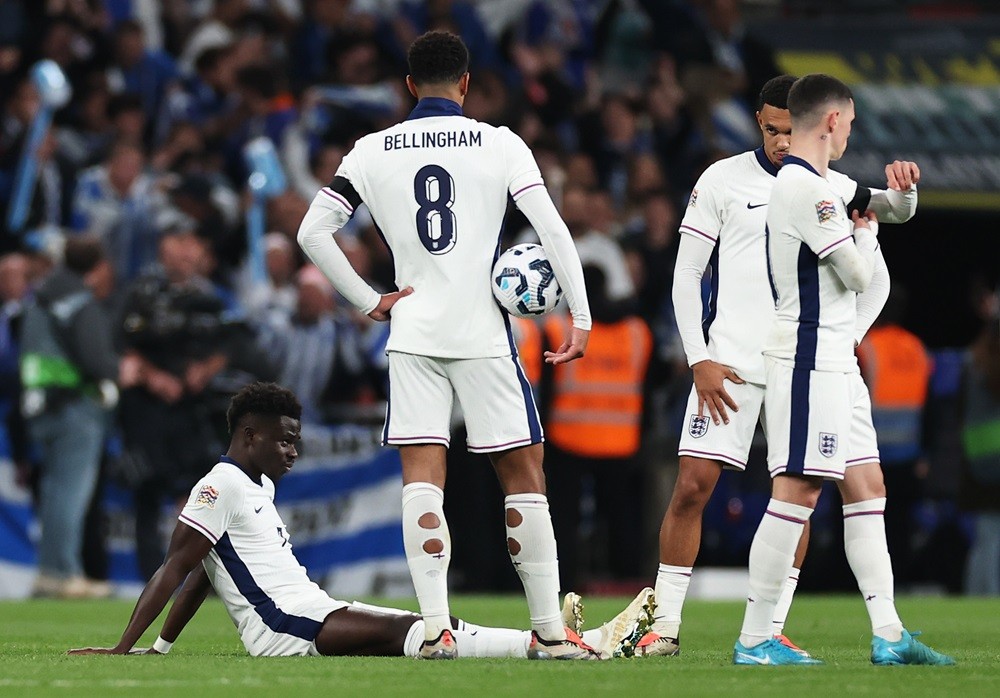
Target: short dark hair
[[811, 92], [437, 58], [82, 253], [775, 92], [268, 399]]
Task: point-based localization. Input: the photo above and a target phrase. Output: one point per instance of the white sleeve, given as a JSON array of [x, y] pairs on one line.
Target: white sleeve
[[871, 302], [326, 215], [212, 505], [692, 260], [821, 219], [855, 263], [893, 206], [537, 206], [705, 212]]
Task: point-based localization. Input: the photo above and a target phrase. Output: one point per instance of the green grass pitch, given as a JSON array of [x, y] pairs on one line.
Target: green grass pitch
[[208, 659]]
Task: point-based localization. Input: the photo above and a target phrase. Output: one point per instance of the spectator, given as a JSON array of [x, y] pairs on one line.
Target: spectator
[[121, 205], [69, 368], [593, 412], [897, 368], [980, 492], [174, 322], [139, 70], [317, 350], [14, 270]]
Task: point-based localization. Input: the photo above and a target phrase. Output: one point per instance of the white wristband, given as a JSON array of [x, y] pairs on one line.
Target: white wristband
[[162, 646]]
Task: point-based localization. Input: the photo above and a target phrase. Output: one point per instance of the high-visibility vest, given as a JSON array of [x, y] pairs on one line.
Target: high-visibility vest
[[897, 369], [596, 408], [528, 338]]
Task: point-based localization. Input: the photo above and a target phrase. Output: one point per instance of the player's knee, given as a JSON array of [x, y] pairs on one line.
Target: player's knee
[[433, 546], [691, 493]]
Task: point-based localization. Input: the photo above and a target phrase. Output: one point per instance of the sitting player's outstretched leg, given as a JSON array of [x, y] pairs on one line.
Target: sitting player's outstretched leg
[[365, 630], [863, 491]]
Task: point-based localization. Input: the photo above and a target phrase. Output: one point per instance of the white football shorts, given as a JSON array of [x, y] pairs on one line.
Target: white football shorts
[[817, 422], [261, 641], [727, 443], [495, 396]]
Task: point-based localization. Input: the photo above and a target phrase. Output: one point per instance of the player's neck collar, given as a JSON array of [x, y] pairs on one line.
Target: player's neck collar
[[233, 461], [435, 106], [768, 166], [795, 160]]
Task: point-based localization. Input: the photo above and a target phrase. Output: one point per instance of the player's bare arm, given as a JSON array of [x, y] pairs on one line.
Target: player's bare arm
[[573, 348], [190, 598], [709, 381], [186, 551]]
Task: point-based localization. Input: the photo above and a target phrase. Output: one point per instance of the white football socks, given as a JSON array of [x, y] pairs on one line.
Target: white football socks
[[536, 562], [474, 641], [671, 589], [772, 554], [429, 570], [785, 601], [868, 555]]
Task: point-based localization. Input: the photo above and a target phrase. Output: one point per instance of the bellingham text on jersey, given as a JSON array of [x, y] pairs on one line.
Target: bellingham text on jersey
[[434, 139]]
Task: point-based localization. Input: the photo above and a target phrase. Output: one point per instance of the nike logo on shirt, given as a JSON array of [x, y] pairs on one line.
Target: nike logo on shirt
[[257, 510], [753, 206]]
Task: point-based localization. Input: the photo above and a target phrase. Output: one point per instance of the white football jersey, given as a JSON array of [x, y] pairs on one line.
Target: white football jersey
[[437, 186], [816, 313], [251, 565], [728, 209]]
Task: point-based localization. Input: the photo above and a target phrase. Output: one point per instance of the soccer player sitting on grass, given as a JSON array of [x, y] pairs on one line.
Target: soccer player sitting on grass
[[230, 537]]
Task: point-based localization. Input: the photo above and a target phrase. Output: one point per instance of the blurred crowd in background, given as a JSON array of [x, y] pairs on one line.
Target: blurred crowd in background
[[129, 303]]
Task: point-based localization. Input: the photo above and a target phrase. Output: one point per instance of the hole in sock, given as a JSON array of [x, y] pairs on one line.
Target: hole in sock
[[429, 520], [513, 546], [433, 546], [514, 518]]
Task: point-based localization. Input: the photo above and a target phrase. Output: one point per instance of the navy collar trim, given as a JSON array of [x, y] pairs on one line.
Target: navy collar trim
[[233, 461], [435, 106], [764, 162], [793, 160]]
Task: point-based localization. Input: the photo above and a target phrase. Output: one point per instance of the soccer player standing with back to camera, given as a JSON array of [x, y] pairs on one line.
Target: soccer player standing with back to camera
[[817, 267], [437, 187], [723, 232]]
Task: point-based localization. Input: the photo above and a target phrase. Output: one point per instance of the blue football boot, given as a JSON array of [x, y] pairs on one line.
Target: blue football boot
[[770, 652], [909, 650]]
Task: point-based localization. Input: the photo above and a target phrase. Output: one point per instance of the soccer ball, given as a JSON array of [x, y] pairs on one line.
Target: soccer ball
[[524, 283]]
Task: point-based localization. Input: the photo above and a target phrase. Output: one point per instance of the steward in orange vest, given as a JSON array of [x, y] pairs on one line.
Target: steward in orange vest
[[596, 403], [897, 369], [592, 411]]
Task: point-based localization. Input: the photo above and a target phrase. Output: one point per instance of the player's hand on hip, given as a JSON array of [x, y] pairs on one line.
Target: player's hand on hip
[[869, 221], [709, 378], [383, 310], [902, 174], [572, 348]]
